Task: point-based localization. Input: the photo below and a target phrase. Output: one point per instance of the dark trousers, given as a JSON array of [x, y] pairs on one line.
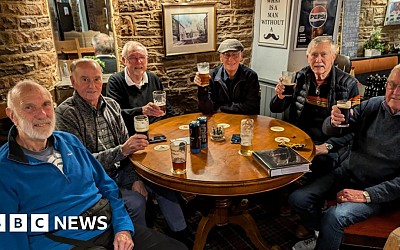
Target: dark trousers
[[144, 238]]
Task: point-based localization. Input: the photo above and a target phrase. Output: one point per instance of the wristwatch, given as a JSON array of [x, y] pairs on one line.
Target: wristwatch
[[328, 146], [367, 197]]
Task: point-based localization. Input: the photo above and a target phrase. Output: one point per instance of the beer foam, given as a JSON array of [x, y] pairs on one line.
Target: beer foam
[[345, 105]]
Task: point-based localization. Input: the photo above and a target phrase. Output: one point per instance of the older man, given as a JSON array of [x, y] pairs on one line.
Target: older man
[[233, 88], [365, 184], [133, 87], [103, 46], [318, 87], [52, 173], [97, 122]]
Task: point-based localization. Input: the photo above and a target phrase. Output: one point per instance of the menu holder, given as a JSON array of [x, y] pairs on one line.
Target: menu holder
[[281, 161]]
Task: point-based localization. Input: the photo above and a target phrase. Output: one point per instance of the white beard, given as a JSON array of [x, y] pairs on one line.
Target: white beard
[[37, 133]]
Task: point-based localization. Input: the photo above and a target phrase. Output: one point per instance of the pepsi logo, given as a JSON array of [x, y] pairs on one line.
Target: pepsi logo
[[318, 16]]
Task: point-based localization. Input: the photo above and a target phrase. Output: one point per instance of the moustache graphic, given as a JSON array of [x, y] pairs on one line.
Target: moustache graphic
[[268, 36]]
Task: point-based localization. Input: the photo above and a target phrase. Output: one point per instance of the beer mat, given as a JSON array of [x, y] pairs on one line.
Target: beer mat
[[219, 138], [161, 147], [224, 125], [277, 129], [184, 127], [282, 139]]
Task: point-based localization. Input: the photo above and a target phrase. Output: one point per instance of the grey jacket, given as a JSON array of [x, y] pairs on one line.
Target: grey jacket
[[77, 117]]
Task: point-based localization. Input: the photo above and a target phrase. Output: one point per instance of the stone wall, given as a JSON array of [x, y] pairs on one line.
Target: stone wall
[[373, 15], [142, 21], [26, 43]]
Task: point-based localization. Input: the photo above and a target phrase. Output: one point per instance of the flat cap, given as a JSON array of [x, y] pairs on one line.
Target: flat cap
[[230, 45]]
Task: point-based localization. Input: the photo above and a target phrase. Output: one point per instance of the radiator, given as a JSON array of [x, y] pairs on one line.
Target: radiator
[[267, 92]]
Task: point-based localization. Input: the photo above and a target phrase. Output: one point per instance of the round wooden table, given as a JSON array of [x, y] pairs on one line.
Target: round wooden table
[[219, 171]]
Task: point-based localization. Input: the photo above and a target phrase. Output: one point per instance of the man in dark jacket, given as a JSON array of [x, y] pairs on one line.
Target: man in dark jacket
[[133, 87], [368, 182], [318, 87], [233, 87]]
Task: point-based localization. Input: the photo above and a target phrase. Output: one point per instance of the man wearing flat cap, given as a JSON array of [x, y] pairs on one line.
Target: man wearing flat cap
[[233, 88]]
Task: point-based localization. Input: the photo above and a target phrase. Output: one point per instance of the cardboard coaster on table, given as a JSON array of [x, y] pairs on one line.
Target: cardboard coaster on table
[[161, 147], [277, 129], [282, 139], [224, 125], [184, 127]]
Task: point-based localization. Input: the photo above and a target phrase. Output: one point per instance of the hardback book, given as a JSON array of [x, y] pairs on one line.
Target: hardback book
[[281, 161]]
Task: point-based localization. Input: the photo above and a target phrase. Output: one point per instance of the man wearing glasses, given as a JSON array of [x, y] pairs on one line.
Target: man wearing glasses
[[233, 88], [133, 87]]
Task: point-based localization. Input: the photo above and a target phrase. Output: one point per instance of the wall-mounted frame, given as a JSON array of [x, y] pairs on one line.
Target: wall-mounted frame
[[274, 23], [392, 13], [316, 18], [189, 27]]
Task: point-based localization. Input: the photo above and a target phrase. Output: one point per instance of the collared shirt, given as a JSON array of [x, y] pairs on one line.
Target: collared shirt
[[129, 81], [387, 108]]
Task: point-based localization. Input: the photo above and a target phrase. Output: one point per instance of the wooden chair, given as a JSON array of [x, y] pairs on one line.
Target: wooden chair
[[68, 47]]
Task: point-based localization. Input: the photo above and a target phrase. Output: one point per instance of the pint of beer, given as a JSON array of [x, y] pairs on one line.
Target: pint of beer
[[204, 73], [246, 137], [141, 123], [178, 155], [160, 99], [288, 78], [344, 107]]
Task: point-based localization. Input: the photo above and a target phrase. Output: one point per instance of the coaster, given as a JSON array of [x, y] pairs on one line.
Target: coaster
[[184, 127], [217, 138], [161, 147], [282, 139], [224, 125], [277, 129]]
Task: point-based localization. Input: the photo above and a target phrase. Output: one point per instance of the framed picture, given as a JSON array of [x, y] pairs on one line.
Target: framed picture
[[274, 23], [189, 27], [392, 13], [316, 18]]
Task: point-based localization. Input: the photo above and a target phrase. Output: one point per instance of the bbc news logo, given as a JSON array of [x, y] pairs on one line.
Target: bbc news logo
[[40, 223]]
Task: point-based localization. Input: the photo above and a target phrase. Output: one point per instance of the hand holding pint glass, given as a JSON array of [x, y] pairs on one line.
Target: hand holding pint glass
[[141, 123], [344, 107], [160, 99], [204, 73], [288, 78], [246, 137], [178, 155]]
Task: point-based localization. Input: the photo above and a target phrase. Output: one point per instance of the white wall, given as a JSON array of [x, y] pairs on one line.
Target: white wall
[[269, 62]]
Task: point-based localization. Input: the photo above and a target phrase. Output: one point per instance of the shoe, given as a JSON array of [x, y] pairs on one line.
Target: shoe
[[285, 211], [308, 244], [302, 232]]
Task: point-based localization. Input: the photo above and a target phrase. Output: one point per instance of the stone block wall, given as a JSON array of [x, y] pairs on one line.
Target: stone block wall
[[373, 15], [26, 43], [142, 21]]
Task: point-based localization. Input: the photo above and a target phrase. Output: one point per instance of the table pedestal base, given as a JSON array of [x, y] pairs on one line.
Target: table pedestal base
[[220, 217]]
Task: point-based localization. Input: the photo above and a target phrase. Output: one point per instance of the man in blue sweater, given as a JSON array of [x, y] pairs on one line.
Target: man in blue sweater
[[368, 182], [51, 173]]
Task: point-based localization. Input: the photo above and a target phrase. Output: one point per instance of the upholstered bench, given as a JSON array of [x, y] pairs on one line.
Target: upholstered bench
[[373, 232]]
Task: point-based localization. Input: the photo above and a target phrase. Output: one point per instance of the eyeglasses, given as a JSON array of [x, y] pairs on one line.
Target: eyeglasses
[[136, 58], [234, 55], [392, 85]]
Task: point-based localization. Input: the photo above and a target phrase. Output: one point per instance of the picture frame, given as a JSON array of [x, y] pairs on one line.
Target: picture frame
[[189, 27], [274, 23], [316, 18], [392, 16]]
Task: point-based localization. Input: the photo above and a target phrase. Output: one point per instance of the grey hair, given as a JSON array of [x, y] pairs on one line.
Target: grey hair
[[131, 44], [322, 39], [76, 62], [397, 67], [19, 87], [103, 44]]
